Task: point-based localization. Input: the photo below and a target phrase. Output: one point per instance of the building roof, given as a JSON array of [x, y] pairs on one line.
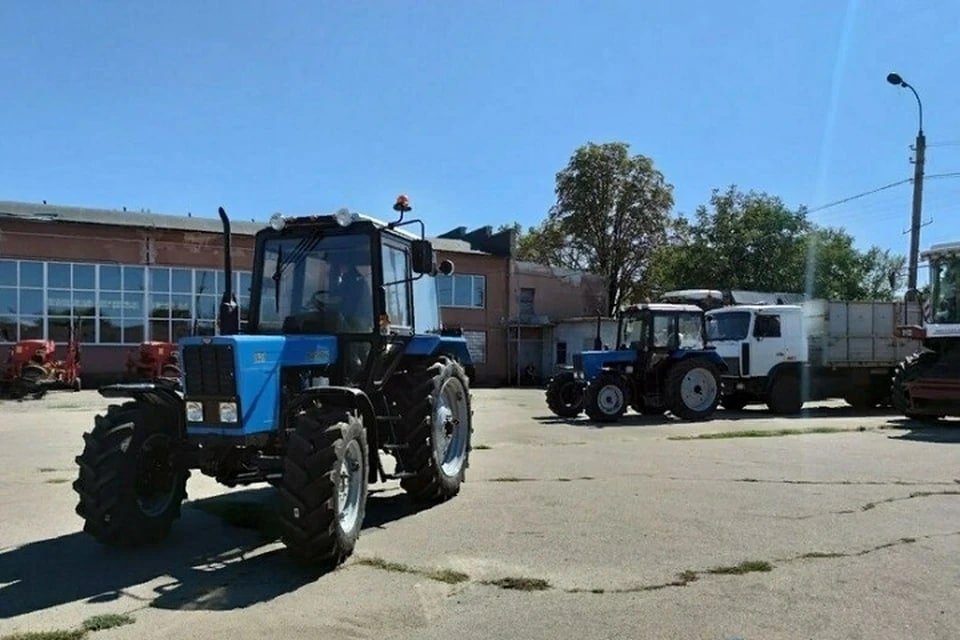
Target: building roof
[[455, 246], [31, 212]]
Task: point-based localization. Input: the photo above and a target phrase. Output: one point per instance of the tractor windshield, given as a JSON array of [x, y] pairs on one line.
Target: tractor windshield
[[730, 325], [317, 284], [945, 278]]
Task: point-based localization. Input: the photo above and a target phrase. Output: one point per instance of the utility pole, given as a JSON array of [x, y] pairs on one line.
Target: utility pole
[[920, 150]]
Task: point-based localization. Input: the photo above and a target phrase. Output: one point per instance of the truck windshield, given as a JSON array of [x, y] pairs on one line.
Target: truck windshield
[[946, 290], [324, 285], [730, 325]]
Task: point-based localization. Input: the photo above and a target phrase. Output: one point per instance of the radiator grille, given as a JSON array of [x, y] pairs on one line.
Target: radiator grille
[[209, 370]]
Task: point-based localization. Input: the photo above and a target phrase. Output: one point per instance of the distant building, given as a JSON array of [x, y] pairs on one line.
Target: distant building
[[135, 276]]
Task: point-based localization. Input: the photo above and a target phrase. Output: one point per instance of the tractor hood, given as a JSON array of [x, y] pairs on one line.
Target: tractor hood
[[591, 362]]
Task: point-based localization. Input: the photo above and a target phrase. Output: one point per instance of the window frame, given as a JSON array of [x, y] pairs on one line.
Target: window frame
[[453, 291]]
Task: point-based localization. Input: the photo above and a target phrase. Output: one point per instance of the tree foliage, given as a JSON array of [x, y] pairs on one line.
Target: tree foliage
[[611, 212]]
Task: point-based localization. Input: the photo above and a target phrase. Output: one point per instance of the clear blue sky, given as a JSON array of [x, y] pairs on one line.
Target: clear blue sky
[[472, 107]]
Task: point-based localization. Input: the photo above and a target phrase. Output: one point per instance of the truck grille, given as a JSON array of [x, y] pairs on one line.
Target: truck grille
[[733, 366], [209, 370]]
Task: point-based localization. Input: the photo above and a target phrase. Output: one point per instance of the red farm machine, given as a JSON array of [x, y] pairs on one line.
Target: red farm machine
[[153, 361], [32, 368], [926, 385]]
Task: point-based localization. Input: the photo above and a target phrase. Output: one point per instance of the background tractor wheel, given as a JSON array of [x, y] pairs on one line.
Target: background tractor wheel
[[170, 371], [130, 490], [323, 492], [785, 395], [693, 389], [437, 425], [907, 371], [606, 397], [565, 395]]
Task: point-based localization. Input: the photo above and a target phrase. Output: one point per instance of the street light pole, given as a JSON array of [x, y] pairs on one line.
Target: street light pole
[[920, 148]]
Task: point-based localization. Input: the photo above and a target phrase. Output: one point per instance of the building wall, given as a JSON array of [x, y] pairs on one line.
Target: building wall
[[487, 321], [558, 293]]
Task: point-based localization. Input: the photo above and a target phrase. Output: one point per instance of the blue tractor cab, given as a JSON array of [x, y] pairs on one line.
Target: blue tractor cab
[[343, 361], [661, 363]]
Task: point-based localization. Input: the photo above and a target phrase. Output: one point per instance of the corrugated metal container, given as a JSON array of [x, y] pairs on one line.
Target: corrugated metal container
[[858, 334]]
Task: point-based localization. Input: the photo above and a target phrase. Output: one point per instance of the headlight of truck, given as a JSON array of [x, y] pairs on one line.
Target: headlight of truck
[[228, 412], [194, 412]]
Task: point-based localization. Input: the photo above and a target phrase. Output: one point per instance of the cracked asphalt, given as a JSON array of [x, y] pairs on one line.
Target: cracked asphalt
[[562, 530]]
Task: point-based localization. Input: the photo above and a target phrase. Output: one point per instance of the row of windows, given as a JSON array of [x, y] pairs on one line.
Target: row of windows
[[462, 290], [110, 303]]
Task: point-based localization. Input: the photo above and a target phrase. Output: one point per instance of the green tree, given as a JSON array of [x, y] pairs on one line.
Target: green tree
[[611, 213]]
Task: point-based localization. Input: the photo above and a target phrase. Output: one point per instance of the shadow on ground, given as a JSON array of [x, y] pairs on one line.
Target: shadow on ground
[[747, 414], [208, 565], [942, 432]]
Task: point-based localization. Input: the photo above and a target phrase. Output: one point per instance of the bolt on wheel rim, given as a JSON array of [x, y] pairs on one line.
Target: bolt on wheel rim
[[350, 486], [698, 389], [451, 427], [610, 398]]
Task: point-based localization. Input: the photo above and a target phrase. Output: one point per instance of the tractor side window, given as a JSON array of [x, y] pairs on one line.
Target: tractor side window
[[426, 306], [663, 331], [766, 327], [395, 263], [691, 331]]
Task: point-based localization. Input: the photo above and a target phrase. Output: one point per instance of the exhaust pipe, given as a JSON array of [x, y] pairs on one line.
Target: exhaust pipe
[[229, 319]]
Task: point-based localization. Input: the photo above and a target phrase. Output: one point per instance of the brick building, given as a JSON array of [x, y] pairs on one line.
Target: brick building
[[134, 276]]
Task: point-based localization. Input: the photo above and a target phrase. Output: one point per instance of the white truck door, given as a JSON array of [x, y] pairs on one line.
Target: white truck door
[[769, 347]]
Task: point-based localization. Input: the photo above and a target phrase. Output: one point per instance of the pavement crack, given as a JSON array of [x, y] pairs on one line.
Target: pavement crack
[[916, 494], [868, 483]]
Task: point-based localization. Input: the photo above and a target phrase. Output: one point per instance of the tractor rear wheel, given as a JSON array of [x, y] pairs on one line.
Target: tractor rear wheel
[[606, 397], [437, 426], [693, 389], [565, 395], [130, 488], [323, 491], [785, 395]]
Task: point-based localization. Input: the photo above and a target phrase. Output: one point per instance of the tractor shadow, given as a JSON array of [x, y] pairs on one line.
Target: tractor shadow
[[747, 414], [208, 562], [942, 432]]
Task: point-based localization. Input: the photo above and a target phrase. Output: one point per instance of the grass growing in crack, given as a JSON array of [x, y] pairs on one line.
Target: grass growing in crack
[[482, 447], [57, 480], [764, 433], [245, 515], [823, 554], [47, 469], [57, 634], [747, 566], [908, 540], [512, 479], [448, 576], [107, 621], [520, 584]]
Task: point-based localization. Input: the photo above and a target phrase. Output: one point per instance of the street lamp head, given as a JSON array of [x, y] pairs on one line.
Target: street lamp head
[[895, 79]]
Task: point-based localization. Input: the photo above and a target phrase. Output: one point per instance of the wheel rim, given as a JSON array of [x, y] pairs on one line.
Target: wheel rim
[[610, 399], [698, 389], [156, 478], [451, 427], [570, 394], [351, 486]]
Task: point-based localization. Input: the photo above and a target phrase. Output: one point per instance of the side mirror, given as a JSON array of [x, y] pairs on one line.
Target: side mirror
[[421, 256], [446, 268]]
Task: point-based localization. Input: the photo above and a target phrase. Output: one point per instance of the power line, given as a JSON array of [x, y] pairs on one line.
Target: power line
[[860, 195]]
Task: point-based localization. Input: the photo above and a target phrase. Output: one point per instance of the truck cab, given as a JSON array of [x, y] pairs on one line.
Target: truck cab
[[765, 349]]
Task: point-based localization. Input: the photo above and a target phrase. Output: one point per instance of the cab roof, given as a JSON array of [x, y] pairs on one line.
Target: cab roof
[[941, 250], [663, 307], [757, 308]]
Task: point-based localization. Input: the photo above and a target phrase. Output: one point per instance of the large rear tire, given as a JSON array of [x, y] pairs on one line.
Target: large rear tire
[[785, 395], [437, 426], [693, 389], [606, 397], [323, 491], [129, 485], [565, 395], [907, 371]]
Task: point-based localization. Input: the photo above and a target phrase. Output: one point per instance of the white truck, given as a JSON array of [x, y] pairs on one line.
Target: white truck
[[785, 355]]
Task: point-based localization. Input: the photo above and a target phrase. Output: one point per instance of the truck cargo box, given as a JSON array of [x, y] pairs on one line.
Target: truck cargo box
[[858, 334]]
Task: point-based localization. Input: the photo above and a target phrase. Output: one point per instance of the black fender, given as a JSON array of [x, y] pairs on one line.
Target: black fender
[[352, 398], [160, 395], [795, 368]]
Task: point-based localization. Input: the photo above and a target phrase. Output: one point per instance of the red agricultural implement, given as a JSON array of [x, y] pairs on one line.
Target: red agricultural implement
[[154, 361], [32, 369]]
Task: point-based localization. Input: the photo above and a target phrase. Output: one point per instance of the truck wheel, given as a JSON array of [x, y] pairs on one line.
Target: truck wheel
[[565, 395], [606, 397], [129, 486], [438, 423], [785, 395], [734, 402], [693, 389], [323, 491]]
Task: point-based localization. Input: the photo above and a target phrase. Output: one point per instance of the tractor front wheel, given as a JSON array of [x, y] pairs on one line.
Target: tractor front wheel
[[606, 397], [565, 395], [323, 492], [693, 389], [130, 488]]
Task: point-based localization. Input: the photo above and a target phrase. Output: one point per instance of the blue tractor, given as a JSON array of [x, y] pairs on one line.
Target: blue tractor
[[662, 363], [343, 357]]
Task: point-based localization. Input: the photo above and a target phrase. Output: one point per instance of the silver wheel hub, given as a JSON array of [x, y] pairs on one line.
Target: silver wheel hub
[[350, 482], [698, 389], [451, 427], [610, 398]]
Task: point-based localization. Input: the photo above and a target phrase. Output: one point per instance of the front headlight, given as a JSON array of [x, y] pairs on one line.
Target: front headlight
[[194, 412], [228, 412]]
